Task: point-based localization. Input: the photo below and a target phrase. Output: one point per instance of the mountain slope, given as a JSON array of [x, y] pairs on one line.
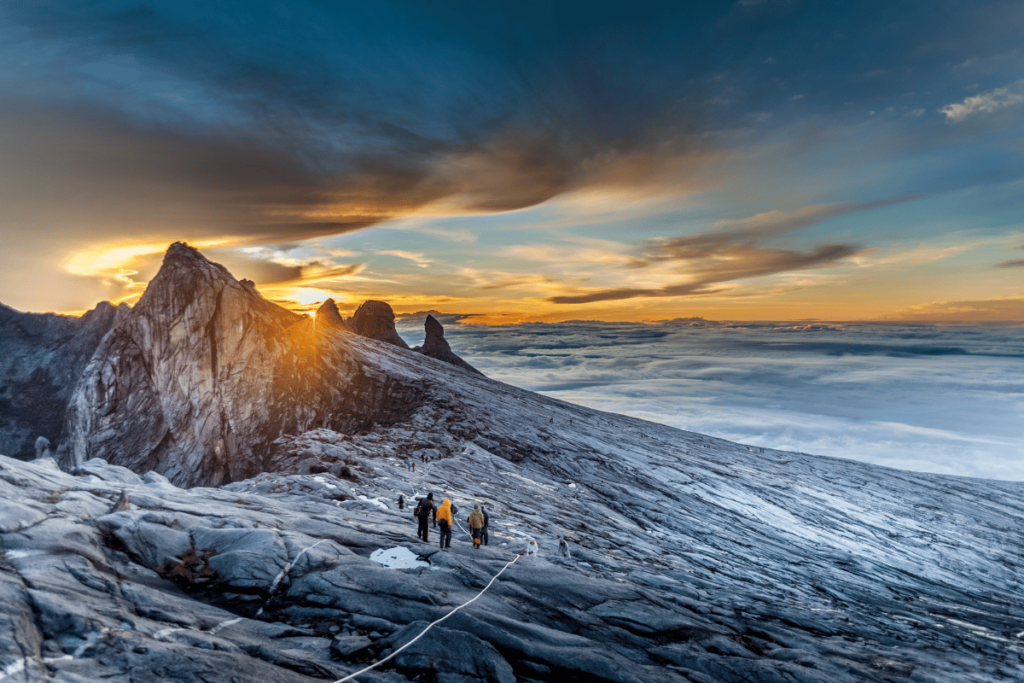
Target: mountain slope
[[41, 358]]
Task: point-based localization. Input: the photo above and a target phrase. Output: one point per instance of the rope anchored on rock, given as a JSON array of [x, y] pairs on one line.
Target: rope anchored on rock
[[430, 625]]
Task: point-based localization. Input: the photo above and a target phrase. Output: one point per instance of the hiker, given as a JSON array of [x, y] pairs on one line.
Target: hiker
[[476, 522], [487, 521], [422, 513], [401, 502], [563, 548], [413, 464], [455, 511], [444, 515], [409, 464], [531, 548]]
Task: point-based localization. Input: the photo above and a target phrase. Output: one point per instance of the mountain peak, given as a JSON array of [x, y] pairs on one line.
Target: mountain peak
[[183, 250], [328, 314]]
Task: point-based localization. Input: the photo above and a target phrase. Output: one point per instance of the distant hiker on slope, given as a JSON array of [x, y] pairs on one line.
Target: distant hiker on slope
[[444, 517], [422, 513], [563, 547], [487, 521], [401, 502], [532, 549], [476, 523]]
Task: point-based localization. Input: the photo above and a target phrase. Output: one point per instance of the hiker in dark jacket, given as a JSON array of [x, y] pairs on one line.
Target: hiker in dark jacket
[[483, 529], [422, 513], [401, 502]]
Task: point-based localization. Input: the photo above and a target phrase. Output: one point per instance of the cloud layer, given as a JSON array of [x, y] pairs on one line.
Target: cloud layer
[[935, 399]]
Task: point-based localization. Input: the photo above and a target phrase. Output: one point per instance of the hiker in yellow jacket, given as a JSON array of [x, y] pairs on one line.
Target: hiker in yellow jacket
[[476, 523], [444, 521]]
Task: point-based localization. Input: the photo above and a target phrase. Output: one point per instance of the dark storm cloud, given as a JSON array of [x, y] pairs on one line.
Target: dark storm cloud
[[372, 111], [90, 165], [264, 110]]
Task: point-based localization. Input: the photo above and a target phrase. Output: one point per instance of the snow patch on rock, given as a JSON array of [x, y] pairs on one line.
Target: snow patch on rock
[[397, 558]]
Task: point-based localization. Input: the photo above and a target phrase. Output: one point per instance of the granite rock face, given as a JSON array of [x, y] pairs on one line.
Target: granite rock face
[[693, 560], [436, 346], [203, 374], [41, 358], [376, 320]]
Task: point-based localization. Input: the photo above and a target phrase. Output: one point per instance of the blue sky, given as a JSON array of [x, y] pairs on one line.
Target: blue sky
[[530, 161]]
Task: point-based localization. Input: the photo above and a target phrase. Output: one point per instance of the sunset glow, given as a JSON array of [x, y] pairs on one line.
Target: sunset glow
[[739, 161]]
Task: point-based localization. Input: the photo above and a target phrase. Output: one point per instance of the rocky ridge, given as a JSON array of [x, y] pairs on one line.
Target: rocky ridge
[[41, 358], [203, 374]]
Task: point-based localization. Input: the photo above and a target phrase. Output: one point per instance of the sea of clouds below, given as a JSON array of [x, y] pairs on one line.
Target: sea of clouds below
[[948, 400]]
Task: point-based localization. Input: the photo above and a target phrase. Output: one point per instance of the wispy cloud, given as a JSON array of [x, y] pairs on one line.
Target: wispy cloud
[[1015, 263], [773, 223], [1000, 98], [720, 264], [1010, 308], [419, 259], [872, 258], [730, 252], [486, 280]]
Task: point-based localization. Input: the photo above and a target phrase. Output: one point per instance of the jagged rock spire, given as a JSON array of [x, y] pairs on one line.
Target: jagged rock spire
[[436, 346], [329, 315]]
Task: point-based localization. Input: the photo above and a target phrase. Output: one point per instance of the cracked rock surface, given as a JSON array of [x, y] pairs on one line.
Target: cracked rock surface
[[692, 559]]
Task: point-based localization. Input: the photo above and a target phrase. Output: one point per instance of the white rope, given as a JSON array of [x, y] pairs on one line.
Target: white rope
[[430, 626]]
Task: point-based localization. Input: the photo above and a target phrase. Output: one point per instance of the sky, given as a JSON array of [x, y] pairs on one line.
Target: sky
[[928, 398], [526, 161]]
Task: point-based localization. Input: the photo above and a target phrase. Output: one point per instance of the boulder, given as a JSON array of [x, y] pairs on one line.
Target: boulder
[[104, 471], [245, 559], [343, 647]]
